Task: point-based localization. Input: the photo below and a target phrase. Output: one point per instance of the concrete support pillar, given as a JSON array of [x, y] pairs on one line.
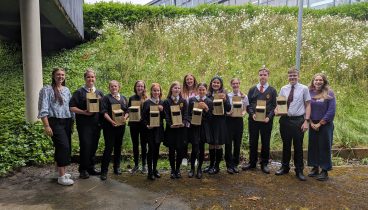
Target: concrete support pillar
[[31, 53]]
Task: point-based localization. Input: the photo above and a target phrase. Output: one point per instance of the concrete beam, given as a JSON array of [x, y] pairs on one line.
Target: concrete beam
[[31, 53]]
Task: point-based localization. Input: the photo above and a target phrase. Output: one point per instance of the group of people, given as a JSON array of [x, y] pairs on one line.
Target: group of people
[[310, 108]]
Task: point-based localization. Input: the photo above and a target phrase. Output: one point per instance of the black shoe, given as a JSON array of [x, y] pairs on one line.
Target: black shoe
[[156, 174], [150, 176], [301, 176], [178, 174], [235, 169], [230, 170], [83, 174], [207, 169], [282, 171], [323, 176], [103, 176], [217, 170], [191, 173], [314, 172], [172, 175], [248, 166], [134, 169], [94, 172], [265, 169], [117, 171], [199, 173], [212, 171]]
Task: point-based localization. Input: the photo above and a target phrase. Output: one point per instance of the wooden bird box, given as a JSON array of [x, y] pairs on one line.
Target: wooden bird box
[[176, 115], [261, 110], [117, 114], [93, 103], [196, 114], [218, 105], [154, 116], [282, 105], [237, 107], [135, 111]]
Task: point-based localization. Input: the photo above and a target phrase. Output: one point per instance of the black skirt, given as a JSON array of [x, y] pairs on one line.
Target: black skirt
[[219, 130]]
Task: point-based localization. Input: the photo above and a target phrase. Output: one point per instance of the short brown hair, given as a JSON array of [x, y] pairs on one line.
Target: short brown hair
[[293, 70], [264, 69]]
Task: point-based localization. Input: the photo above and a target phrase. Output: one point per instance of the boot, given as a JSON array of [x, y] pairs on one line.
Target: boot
[[323, 176]]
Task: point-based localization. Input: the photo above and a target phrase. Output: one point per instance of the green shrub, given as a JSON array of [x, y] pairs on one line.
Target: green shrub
[[129, 15]]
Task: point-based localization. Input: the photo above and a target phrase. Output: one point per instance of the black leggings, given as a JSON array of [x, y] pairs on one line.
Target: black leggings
[[152, 156], [61, 139], [197, 153], [137, 133], [113, 141], [175, 162]]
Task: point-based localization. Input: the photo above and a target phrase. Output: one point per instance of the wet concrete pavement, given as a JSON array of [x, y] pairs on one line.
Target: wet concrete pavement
[[32, 188], [35, 188]]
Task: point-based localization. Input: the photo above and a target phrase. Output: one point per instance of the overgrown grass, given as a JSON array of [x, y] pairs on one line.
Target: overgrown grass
[[227, 45]]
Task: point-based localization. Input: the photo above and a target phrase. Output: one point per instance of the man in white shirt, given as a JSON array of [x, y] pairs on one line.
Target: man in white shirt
[[295, 123]]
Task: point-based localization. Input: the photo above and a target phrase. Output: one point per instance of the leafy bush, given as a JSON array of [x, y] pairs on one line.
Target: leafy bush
[[129, 15]]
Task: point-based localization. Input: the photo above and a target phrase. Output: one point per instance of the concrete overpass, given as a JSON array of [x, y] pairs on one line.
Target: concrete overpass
[[40, 25]]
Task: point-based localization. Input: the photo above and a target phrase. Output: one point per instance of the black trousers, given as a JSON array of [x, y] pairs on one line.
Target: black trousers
[[152, 155], [89, 135], [290, 130], [113, 141], [175, 159], [232, 147], [137, 133], [197, 154], [62, 133], [256, 128]]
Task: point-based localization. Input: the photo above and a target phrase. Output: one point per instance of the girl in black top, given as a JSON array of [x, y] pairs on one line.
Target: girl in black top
[[175, 135], [218, 125], [137, 129], [88, 125], [154, 134], [113, 133], [199, 134]]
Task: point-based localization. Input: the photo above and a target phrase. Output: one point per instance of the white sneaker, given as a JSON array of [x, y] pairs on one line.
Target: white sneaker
[[64, 180], [56, 175]]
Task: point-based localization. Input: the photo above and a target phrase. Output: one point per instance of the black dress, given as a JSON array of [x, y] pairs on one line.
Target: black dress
[[88, 127], [175, 137], [200, 133], [218, 124]]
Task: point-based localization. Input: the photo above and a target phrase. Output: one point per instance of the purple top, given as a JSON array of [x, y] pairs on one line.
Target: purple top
[[323, 109]]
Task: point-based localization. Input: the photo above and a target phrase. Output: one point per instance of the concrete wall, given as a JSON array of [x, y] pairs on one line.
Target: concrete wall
[[74, 9]]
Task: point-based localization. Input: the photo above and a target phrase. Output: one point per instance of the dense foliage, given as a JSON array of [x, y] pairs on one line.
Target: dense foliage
[[129, 15]]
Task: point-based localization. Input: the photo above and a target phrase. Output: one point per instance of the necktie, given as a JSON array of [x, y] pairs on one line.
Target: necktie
[[261, 89], [117, 97], [175, 100], [90, 90], [291, 96]]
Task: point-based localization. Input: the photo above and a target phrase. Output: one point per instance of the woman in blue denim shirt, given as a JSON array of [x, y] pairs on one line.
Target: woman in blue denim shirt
[[53, 106]]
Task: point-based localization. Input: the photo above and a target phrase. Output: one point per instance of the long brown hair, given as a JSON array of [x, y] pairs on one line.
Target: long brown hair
[[323, 93], [57, 93], [170, 90], [185, 91], [144, 96]]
